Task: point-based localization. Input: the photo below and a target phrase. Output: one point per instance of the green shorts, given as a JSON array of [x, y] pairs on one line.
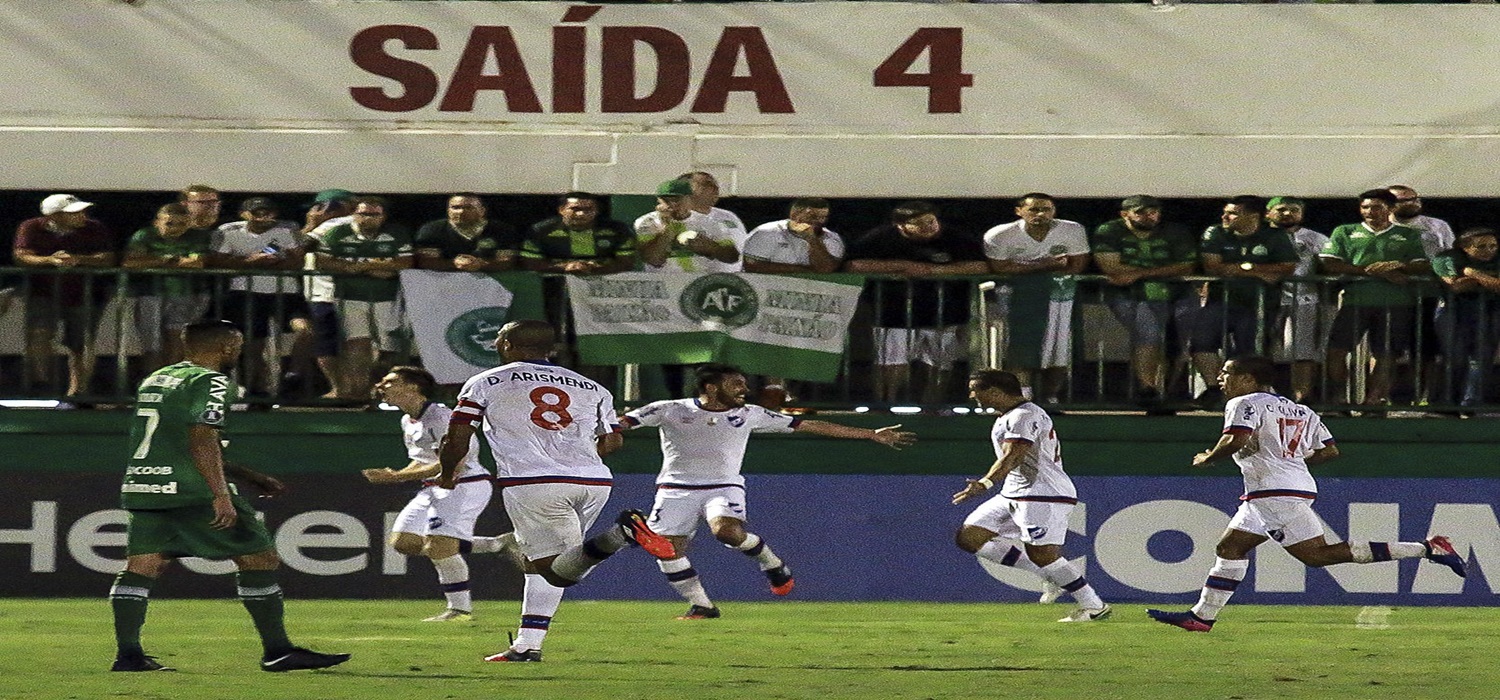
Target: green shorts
[[185, 532]]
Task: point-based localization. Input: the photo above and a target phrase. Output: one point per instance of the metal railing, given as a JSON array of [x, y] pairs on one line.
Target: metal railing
[[1080, 342]]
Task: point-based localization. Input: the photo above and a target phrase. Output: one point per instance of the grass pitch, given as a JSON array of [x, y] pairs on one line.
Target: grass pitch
[[61, 648]]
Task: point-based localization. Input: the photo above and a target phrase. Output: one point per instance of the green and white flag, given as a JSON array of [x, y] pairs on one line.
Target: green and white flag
[[767, 324], [455, 316]]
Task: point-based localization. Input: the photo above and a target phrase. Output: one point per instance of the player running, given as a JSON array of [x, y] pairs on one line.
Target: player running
[[703, 443], [1273, 440], [548, 427], [437, 523], [1036, 496]]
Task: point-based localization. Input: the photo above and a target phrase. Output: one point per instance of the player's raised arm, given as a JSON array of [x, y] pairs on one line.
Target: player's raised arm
[[888, 436]]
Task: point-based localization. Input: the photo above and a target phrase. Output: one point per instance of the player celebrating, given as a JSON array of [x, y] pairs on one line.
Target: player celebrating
[[438, 523], [180, 504], [1035, 498], [703, 444], [1273, 440], [548, 427]]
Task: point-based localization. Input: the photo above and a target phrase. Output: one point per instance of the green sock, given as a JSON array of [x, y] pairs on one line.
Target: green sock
[[262, 598], [128, 598]]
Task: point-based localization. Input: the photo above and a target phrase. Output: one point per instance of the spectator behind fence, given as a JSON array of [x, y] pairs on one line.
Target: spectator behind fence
[[329, 209], [1468, 320], [674, 238], [1305, 316], [798, 243], [1138, 255], [705, 199], [261, 241], [371, 251], [917, 246], [204, 204], [1437, 238], [1253, 257], [1379, 304], [164, 303], [577, 242], [63, 237], [467, 240], [1040, 253]]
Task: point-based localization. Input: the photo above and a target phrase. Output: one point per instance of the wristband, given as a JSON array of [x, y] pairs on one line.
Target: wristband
[[985, 482]]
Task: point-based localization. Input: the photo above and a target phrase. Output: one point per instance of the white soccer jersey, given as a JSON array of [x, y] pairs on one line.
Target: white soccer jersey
[[700, 447], [236, 238], [424, 436], [1282, 434], [1012, 242], [542, 421], [1040, 476], [1308, 243], [732, 225], [650, 225], [775, 242]]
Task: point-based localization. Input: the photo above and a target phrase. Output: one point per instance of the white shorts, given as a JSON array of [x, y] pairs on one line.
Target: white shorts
[[1286, 519], [938, 347], [1305, 328], [380, 320], [1032, 522], [550, 518], [678, 511], [444, 512]]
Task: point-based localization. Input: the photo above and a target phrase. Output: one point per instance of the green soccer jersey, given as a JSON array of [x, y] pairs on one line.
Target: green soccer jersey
[[193, 242], [1357, 245], [1265, 245], [160, 472], [1169, 244], [390, 242]]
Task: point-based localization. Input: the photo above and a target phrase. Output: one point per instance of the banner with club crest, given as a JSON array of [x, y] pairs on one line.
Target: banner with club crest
[[455, 316], [766, 324]]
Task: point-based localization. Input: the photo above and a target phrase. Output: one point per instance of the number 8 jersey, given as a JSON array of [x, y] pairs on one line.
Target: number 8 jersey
[[1282, 434], [541, 421]]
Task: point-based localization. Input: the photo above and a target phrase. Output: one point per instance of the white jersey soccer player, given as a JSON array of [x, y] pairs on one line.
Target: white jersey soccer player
[[1273, 440], [1036, 496], [703, 443], [437, 523], [547, 426]]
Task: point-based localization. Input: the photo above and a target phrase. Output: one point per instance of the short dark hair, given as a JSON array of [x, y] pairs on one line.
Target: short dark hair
[[412, 374], [809, 203], [1475, 232], [200, 333], [1252, 204], [1260, 368], [906, 211], [714, 373], [1382, 195], [1021, 200], [1006, 382], [195, 189], [562, 200], [468, 195], [173, 209]]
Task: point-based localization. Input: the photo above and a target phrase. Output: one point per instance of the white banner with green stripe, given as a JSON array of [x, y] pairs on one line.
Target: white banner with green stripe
[[767, 324]]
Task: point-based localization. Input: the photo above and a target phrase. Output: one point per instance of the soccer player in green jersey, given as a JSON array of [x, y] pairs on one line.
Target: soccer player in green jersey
[[180, 503]]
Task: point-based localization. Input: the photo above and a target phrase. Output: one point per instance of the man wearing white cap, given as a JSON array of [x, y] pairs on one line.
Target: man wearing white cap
[[63, 237]]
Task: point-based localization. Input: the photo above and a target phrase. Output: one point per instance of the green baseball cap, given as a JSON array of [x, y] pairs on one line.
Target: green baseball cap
[[674, 188], [332, 196]]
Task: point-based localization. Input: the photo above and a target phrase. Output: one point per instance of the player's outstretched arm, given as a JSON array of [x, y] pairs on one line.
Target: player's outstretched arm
[[888, 436], [269, 486], [1229, 443], [1323, 454], [414, 471]]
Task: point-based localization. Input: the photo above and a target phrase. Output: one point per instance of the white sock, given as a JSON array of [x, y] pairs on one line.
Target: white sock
[[1007, 553], [490, 545], [684, 578], [755, 547], [539, 603], [1368, 552], [1222, 580], [1066, 576], [453, 578]]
